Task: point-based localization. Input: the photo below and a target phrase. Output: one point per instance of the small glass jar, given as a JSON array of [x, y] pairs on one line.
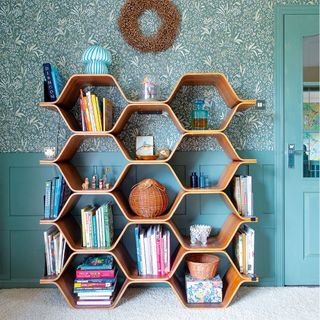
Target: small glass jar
[[149, 88], [199, 116]]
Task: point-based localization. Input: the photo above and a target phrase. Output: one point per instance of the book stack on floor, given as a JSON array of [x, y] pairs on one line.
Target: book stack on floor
[[96, 280], [153, 250], [93, 116], [243, 195], [53, 83], [55, 248], [97, 226], [244, 250], [56, 194]]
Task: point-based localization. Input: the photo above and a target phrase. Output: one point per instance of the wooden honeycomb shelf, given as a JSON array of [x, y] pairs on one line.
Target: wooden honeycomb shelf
[[68, 226]]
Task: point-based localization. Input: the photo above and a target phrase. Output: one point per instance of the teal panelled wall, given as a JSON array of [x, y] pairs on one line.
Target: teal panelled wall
[[22, 188]]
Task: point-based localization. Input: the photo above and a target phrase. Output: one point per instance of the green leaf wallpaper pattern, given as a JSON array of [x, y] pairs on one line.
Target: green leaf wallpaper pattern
[[235, 37]]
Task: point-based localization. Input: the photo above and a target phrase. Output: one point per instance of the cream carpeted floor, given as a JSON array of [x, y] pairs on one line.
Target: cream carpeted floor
[[294, 303]]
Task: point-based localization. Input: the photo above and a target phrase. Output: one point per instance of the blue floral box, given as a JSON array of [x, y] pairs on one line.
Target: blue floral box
[[204, 291]]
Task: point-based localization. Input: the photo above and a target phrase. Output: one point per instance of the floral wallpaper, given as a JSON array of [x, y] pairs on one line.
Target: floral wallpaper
[[235, 37]]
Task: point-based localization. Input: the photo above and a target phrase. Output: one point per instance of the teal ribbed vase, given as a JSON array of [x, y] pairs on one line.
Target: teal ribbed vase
[[96, 60]]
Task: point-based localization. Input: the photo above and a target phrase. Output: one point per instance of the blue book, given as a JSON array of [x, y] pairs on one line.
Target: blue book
[[94, 230], [57, 197], [48, 77], [53, 191], [47, 200], [136, 231], [63, 191], [58, 82], [101, 262]]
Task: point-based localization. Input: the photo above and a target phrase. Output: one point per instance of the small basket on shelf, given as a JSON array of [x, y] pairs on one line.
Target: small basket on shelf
[[203, 266], [148, 198]]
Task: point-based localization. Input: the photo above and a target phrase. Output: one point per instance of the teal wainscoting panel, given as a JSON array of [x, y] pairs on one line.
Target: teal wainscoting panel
[[22, 190]]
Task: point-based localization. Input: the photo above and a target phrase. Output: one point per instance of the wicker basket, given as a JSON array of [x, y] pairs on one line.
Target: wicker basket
[[202, 265], [148, 198]]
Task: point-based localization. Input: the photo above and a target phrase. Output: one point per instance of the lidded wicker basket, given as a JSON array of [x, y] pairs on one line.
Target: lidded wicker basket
[[148, 198]]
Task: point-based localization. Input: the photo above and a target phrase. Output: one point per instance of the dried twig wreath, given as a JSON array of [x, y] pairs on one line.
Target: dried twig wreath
[[167, 32]]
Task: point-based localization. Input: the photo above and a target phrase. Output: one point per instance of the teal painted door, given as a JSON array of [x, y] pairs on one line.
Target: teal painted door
[[301, 131]]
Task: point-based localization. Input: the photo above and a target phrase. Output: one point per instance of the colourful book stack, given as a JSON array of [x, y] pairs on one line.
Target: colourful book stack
[[93, 116], [96, 280], [56, 194], [97, 226], [55, 247], [244, 250], [243, 195], [153, 250], [204, 291]]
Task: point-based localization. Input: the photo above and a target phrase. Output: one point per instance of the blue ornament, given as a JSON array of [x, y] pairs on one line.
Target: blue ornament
[[97, 60]]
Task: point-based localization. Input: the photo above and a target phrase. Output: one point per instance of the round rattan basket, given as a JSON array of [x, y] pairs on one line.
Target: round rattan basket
[[202, 265], [148, 198]]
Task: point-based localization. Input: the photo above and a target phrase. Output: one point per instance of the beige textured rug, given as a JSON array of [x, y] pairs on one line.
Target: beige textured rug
[[293, 303]]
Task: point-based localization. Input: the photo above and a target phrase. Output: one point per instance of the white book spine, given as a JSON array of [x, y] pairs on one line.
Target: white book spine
[[103, 229], [250, 268], [165, 252], [47, 252], [249, 195], [142, 253], [98, 226], [148, 255]]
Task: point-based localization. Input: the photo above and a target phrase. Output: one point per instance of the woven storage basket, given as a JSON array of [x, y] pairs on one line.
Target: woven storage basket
[[202, 265], [148, 198]]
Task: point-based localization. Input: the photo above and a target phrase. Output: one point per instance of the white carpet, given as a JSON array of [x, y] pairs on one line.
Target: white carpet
[[295, 303]]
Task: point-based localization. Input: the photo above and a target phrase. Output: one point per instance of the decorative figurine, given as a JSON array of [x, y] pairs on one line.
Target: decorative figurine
[[199, 232], [100, 184], [93, 183], [85, 185], [97, 60]]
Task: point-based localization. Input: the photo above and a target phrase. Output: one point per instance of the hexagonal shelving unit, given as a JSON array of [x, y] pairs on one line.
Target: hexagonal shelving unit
[[68, 226]]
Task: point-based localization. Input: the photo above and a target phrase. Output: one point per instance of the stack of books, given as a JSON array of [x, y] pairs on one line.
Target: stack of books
[[97, 226], [53, 84], [93, 116], [243, 195], [55, 248], [153, 250], [244, 249], [96, 280], [56, 194]]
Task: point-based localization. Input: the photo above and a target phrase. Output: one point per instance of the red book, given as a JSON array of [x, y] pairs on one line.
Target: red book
[[85, 274]]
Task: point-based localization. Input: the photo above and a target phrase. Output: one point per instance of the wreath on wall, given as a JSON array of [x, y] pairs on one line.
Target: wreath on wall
[[129, 24]]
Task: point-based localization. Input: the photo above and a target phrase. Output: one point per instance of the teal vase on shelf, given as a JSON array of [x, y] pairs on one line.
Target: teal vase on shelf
[[96, 60]]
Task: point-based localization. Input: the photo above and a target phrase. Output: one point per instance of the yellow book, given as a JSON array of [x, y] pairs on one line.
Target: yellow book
[[99, 113], [95, 112]]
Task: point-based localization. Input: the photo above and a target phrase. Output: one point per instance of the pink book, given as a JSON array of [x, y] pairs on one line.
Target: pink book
[[162, 270], [85, 274], [168, 250], [158, 255]]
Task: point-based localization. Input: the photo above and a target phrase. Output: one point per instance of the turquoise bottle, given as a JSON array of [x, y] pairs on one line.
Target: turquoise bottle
[[199, 116]]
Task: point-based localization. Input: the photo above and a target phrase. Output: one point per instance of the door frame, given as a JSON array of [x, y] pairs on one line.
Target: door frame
[[279, 150]]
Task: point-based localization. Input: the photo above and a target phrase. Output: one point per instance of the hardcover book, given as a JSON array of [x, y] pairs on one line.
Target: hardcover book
[[102, 262]]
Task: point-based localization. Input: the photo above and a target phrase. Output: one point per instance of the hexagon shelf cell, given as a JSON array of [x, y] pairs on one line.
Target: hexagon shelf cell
[[68, 105], [65, 281], [128, 241], [140, 120], [73, 165], [220, 99], [231, 278], [69, 221], [219, 165], [199, 209], [133, 174]]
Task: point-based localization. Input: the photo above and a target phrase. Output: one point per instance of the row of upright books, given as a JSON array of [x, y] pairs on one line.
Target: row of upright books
[[95, 117], [96, 281], [97, 226], [153, 250], [53, 83], [243, 195], [56, 194], [55, 251], [244, 249]]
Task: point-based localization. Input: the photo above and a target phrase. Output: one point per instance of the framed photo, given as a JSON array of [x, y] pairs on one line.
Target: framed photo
[[144, 145]]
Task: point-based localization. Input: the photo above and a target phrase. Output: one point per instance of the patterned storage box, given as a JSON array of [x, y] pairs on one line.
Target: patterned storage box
[[204, 291]]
